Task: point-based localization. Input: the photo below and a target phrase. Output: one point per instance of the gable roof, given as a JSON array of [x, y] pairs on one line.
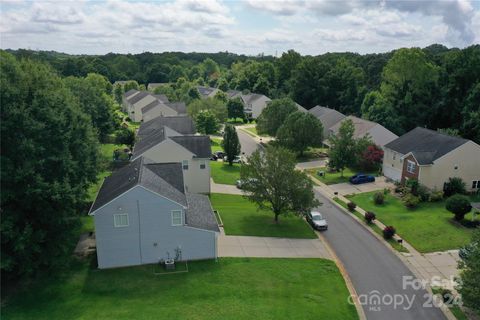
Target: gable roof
[[206, 91], [362, 126], [181, 124], [198, 145], [328, 117], [148, 142], [130, 92], [426, 145], [179, 107], [199, 213], [252, 97], [152, 105], [161, 97], [134, 99], [165, 179], [233, 93]]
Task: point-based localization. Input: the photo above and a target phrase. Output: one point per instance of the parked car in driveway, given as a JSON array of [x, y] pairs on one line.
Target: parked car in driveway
[[218, 155], [237, 159], [360, 178], [317, 220]]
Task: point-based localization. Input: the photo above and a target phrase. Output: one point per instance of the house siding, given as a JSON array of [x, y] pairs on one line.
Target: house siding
[[258, 106], [196, 180], [392, 164], [135, 112], [407, 175], [466, 157], [150, 235]]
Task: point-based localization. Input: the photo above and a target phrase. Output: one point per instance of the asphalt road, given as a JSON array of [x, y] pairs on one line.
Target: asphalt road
[[249, 145], [375, 271]]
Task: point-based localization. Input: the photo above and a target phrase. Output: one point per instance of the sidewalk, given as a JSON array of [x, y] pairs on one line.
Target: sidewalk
[[256, 137], [437, 269]]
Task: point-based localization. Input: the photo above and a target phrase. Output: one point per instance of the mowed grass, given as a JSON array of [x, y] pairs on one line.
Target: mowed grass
[[223, 173], [232, 288], [216, 144], [428, 228], [242, 218], [335, 177]]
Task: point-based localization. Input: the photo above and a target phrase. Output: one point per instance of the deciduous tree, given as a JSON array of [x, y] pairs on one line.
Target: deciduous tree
[[300, 131], [273, 116], [342, 147], [231, 143]]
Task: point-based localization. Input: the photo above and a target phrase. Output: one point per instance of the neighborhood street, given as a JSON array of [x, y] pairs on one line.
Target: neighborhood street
[[249, 145], [376, 272]]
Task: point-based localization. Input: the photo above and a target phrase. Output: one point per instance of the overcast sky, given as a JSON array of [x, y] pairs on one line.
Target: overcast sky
[[250, 27]]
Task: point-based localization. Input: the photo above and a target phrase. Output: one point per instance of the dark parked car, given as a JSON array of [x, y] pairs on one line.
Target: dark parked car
[[317, 221], [217, 155], [360, 178]]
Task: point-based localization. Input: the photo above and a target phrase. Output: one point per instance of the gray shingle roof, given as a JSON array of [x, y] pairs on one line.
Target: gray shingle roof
[[130, 92], [233, 93], [328, 117], [426, 145], [180, 107], [199, 213], [139, 96], [181, 124], [198, 145], [150, 106], [161, 97], [165, 179], [148, 142], [205, 91]]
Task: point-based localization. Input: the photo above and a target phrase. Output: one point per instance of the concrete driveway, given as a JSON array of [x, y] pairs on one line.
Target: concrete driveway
[[348, 188], [267, 247], [312, 164]]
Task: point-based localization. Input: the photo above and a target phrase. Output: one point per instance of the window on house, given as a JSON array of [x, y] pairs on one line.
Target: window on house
[[202, 164], [176, 217], [476, 184], [185, 164], [120, 220], [411, 166]]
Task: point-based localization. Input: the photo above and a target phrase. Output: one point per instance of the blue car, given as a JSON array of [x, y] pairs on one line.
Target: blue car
[[360, 178]]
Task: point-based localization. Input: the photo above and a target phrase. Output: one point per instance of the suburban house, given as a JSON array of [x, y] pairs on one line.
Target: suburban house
[[253, 103], [378, 133], [192, 151], [207, 92], [328, 117], [134, 101], [143, 215], [174, 126], [157, 108], [432, 157]]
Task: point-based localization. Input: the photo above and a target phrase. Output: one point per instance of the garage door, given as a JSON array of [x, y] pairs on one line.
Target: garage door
[[392, 173]]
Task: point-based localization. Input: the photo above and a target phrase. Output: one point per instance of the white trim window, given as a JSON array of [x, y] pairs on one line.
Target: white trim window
[[203, 164], [476, 184], [120, 220], [185, 164], [177, 218], [411, 166]]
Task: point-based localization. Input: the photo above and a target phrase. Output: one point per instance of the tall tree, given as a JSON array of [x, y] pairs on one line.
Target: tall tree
[[271, 182], [300, 131], [273, 116], [217, 107], [49, 158], [235, 108], [342, 147], [231, 143], [206, 122]]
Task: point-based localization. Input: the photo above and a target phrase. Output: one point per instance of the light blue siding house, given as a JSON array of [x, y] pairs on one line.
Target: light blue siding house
[[143, 215]]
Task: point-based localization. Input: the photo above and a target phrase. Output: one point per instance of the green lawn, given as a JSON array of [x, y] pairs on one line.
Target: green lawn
[[428, 228], [223, 173], [241, 218], [216, 144], [232, 288], [335, 177]]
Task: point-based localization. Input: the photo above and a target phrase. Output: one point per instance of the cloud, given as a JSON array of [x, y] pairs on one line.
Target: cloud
[[281, 7]]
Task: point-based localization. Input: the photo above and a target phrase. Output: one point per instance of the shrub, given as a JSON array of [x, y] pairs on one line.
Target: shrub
[[454, 186], [386, 191], [410, 201], [351, 206], [369, 217], [412, 185], [459, 205], [378, 198], [423, 193], [389, 232], [436, 196], [125, 136]]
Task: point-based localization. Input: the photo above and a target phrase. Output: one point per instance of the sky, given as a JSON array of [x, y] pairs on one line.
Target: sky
[[245, 27]]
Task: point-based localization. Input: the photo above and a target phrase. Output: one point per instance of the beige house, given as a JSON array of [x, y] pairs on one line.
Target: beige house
[[207, 92], [432, 158], [328, 117], [253, 103], [193, 152]]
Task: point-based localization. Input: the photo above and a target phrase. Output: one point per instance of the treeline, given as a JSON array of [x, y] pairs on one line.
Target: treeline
[[434, 87], [50, 132]]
